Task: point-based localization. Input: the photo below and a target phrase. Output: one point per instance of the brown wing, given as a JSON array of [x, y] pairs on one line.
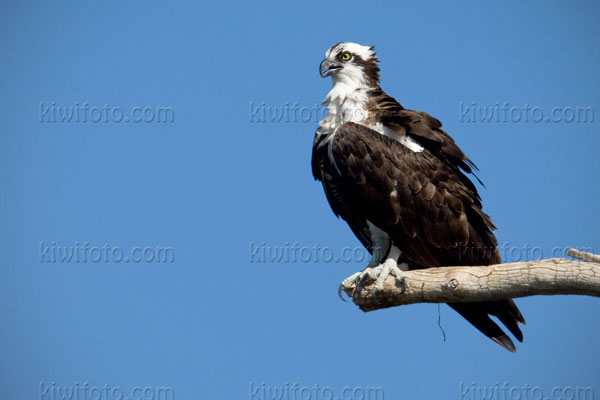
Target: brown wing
[[424, 203], [323, 170], [422, 127]]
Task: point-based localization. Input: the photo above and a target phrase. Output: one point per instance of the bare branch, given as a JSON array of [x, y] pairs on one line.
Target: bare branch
[[493, 282], [583, 256]]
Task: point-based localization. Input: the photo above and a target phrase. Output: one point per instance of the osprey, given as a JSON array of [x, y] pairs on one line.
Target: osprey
[[400, 182]]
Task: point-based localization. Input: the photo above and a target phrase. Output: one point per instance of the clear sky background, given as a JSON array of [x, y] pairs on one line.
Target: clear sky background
[[217, 181]]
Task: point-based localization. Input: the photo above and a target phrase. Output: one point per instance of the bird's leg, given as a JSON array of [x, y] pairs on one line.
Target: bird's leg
[[358, 279], [390, 267], [374, 268], [382, 246]]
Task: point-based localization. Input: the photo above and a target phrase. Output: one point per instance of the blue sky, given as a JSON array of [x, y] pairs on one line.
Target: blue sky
[[212, 183]]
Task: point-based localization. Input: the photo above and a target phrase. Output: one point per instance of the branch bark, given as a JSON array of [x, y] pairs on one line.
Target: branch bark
[[492, 282]]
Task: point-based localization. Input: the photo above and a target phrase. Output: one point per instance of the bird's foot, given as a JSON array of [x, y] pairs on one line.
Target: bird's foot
[[389, 267], [356, 281]]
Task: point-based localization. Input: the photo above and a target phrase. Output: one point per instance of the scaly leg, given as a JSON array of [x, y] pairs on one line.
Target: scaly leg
[[380, 272], [380, 248], [391, 267]]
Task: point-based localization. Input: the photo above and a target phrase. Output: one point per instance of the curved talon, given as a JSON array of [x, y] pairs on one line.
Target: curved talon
[[403, 285], [375, 295], [340, 291], [358, 284], [346, 285], [363, 279]]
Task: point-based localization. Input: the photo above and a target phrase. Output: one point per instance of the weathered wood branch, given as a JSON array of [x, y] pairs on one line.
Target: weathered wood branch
[[493, 282]]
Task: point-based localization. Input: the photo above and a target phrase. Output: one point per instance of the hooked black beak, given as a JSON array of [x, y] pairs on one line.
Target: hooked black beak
[[328, 67]]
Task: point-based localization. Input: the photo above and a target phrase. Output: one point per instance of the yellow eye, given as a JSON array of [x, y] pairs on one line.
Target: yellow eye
[[346, 56]]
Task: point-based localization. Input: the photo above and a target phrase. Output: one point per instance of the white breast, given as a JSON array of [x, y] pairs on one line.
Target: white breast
[[347, 102]]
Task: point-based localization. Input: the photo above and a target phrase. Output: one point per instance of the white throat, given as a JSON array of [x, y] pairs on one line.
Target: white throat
[[347, 100]]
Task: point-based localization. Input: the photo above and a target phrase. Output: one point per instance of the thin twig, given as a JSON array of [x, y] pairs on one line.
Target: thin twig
[[581, 255]]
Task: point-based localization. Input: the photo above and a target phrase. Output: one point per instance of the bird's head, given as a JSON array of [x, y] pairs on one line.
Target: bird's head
[[351, 63]]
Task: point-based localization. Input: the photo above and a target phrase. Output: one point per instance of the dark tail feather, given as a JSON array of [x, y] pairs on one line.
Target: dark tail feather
[[477, 314], [508, 313]]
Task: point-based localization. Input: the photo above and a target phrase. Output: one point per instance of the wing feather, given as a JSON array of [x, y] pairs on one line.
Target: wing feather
[[412, 196]]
